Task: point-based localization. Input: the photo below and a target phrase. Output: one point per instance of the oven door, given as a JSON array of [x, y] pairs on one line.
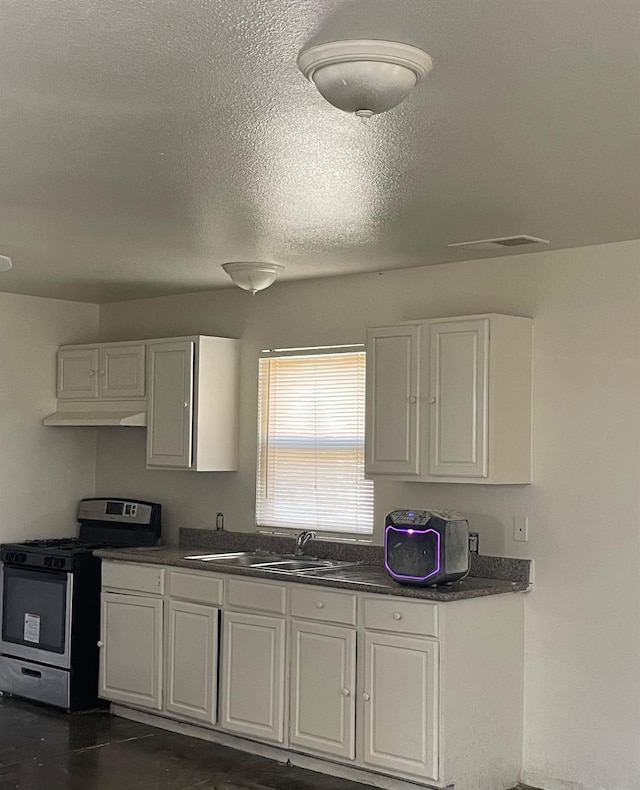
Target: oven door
[[36, 614]]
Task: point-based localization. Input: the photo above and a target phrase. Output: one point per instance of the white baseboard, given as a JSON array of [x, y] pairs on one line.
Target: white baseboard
[[545, 783]]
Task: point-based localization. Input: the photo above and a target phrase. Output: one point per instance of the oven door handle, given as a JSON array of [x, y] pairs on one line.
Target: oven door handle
[[32, 673]]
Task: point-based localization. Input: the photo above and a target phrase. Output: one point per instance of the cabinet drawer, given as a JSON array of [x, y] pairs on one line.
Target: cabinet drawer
[[257, 596], [406, 617], [133, 576], [317, 603], [201, 588]]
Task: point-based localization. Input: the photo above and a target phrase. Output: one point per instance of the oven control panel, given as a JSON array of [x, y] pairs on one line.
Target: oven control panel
[[116, 510]]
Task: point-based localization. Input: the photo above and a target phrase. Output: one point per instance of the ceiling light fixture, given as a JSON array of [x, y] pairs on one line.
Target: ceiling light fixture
[[5, 263], [252, 275], [364, 76]]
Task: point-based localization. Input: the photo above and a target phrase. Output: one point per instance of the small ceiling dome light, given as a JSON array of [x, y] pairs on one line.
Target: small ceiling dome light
[[252, 275], [5, 263], [364, 76]]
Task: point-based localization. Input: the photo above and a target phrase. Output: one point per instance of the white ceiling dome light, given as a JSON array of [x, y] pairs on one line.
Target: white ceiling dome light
[[364, 76], [5, 263], [252, 275]]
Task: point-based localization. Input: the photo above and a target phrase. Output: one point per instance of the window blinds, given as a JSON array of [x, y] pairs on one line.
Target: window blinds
[[311, 443]]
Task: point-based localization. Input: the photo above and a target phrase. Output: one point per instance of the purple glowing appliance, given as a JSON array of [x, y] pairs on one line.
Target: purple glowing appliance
[[426, 547]]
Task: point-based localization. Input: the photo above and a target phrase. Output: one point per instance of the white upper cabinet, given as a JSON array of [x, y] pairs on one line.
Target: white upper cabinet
[[458, 398], [193, 404], [78, 373], [393, 400], [170, 416], [121, 373], [104, 371], [449, 400]]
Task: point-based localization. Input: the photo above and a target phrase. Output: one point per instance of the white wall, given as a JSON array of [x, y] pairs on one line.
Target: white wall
[[582, 722], [43, 471]]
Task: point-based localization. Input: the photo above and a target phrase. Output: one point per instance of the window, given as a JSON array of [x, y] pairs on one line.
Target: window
[[311, 442]]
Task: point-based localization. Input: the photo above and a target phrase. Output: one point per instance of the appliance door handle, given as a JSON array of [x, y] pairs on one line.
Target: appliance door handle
[[32, 673]]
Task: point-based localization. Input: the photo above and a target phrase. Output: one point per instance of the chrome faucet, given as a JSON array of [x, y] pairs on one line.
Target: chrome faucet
[[301, 541]]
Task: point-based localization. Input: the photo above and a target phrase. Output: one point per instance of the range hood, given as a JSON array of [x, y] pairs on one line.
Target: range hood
[[96, 413]]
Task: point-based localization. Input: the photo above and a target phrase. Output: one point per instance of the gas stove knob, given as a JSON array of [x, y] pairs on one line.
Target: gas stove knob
[[58, 562]]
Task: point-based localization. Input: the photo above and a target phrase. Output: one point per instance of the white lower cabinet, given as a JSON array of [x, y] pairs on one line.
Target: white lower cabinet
[[131, 650], [192, 660], [400, 704], [253, 676], [323, 676], [426, 692]]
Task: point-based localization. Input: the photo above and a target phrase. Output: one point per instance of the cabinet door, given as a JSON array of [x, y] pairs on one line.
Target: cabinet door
[[121, 372], [323, 664], [192, 660], [170, 418], [253, 673], [400, 703], [77, 373], [458, 444], [393, 400], [131, 650]]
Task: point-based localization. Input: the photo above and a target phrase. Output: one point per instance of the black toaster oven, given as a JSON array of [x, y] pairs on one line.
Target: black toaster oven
[[426, 547]]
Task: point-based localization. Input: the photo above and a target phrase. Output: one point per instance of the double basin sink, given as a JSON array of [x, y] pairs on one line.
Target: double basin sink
[[277, 563]]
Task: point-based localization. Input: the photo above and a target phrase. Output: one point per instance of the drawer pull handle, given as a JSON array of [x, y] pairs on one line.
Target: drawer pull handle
[[32, 673], [100, 643], [345, 692], [319, 604], [366, 697], [397, 616]]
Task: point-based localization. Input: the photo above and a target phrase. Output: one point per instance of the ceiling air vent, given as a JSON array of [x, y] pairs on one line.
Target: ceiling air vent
[[500, 243]]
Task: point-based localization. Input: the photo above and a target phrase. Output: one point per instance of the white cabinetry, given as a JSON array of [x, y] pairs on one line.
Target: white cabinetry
[[253, 675], [131, 650], [192, 660], [430, 693], [322, 658], [104, 371], [193, 393], [192, 617], [393, 392], [323, 665], [400, 704], [165, 662], [131, 634], [449, 400], [77, 373]]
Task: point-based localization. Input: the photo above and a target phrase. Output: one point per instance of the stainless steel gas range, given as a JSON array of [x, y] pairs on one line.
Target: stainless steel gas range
[[50, 603]]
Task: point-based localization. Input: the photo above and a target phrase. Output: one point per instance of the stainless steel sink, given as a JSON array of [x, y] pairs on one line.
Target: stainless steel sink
[[241, 558], [268, 562], [302, 564]]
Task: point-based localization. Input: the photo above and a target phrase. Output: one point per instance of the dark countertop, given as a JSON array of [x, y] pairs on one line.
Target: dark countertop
[[361, 577]]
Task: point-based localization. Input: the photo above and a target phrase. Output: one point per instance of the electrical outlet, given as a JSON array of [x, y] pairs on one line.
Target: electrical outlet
[[521, 528]]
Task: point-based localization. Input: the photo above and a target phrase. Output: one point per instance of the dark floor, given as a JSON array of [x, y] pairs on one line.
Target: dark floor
[[45, 749]]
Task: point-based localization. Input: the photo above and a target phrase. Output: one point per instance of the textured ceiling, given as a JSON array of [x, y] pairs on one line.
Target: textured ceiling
[[143, 143]]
